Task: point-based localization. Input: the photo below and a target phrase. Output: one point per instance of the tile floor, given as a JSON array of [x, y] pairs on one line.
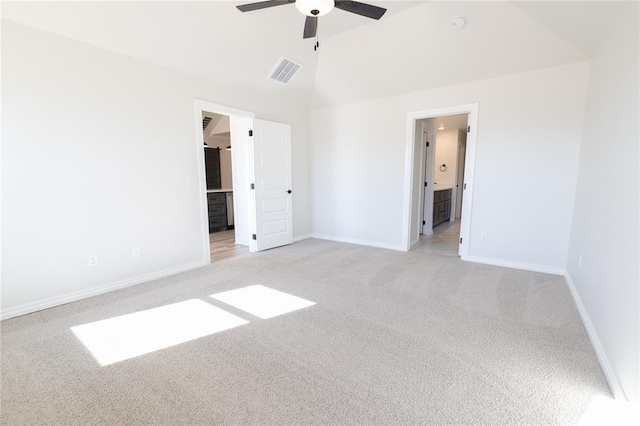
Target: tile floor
[[444, 240]]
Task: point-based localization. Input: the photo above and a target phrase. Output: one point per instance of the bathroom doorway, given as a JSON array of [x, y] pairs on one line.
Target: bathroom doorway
[[441, 153]]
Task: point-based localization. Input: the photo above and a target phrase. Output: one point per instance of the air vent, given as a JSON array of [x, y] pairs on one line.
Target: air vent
[[284, 70], [205, 122]]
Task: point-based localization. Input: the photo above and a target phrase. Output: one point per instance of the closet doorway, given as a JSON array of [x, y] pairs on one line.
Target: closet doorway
[[216, 129]]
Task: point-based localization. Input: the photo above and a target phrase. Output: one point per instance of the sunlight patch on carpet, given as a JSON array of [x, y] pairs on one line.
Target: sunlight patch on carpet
[[261, 301], [128, 336]]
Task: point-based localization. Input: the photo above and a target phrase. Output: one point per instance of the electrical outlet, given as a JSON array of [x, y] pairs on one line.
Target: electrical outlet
[[484, 237], [135, 253], [93, 260], [580, 262]]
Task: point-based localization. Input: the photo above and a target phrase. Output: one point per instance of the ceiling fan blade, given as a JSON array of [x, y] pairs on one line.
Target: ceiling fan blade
[[368, 10], [263, 5], [310, 27]]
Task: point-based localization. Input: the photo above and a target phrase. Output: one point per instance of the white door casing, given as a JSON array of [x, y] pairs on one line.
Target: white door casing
[[271, 197], [240, 122], [469, 171], [428, 169]]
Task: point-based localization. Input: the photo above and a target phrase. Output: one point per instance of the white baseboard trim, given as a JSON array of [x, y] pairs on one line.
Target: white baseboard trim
[[302, 237], [515, 265], [612, 379], [95, 291], [396, 247]]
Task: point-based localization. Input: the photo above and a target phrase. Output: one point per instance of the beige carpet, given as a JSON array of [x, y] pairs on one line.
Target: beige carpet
[[395, 338]]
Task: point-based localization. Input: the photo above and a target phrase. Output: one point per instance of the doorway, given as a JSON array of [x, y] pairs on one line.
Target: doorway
[[444, 142], [439, 180], [261, 185], [219, 187], [228, 126]]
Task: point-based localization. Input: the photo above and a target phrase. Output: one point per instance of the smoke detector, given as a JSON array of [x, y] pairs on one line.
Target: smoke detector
[[458, 23]]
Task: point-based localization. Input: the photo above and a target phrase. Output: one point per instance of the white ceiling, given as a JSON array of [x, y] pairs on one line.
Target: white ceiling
[[581, 23], [208, 39], [411, 48]]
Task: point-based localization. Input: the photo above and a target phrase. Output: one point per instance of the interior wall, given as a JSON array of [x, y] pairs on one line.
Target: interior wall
[[603, 258], [97, 154], [528, 142], [447, 154]]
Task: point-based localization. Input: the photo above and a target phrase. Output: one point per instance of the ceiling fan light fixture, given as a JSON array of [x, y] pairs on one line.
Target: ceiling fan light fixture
[[315, 7]]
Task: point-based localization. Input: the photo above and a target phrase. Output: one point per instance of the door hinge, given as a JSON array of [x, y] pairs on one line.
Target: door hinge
[[427, 144], [460, 240], [250, 132], [253, 186], [465, 186], [468, 129], [254, 237], [424, 222], [425, 184]]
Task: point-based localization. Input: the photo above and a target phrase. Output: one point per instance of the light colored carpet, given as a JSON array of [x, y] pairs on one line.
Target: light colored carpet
[[395, 338]]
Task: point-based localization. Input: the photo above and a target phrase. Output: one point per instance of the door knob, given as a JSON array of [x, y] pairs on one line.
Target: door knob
[[289, 192]]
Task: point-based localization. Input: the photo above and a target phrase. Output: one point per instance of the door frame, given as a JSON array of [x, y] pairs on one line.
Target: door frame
[[410, 152], [428, 157], [201, 106]]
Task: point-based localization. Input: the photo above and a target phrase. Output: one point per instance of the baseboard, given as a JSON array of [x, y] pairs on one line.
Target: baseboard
[[515, 265], [612, 379], [96, 291], [302, 237], [396, 247]]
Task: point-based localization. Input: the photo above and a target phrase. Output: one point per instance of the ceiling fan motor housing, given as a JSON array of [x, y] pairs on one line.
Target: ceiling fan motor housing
[[315, 7]]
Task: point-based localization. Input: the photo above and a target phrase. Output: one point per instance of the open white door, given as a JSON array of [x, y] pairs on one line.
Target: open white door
[[272, 221]]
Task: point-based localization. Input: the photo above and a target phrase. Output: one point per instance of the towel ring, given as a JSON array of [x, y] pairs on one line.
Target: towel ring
[[443, 168]]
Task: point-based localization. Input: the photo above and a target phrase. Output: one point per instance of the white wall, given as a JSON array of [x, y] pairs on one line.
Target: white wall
[[528, 140], [96, 151], [605, 230], [446, 153]]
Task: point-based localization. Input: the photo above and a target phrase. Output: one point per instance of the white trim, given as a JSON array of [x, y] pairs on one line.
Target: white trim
[[356, 241], [201, 106], [472, 120], [96, 291], [428, 163], [515, 265], [220, 109], [302, 237], [612, 379]]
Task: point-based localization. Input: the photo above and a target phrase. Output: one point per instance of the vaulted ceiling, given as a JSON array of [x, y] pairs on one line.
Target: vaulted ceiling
[[411, 48]]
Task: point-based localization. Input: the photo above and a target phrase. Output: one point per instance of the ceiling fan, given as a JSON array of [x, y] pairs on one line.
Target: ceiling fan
[[315, 8]]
